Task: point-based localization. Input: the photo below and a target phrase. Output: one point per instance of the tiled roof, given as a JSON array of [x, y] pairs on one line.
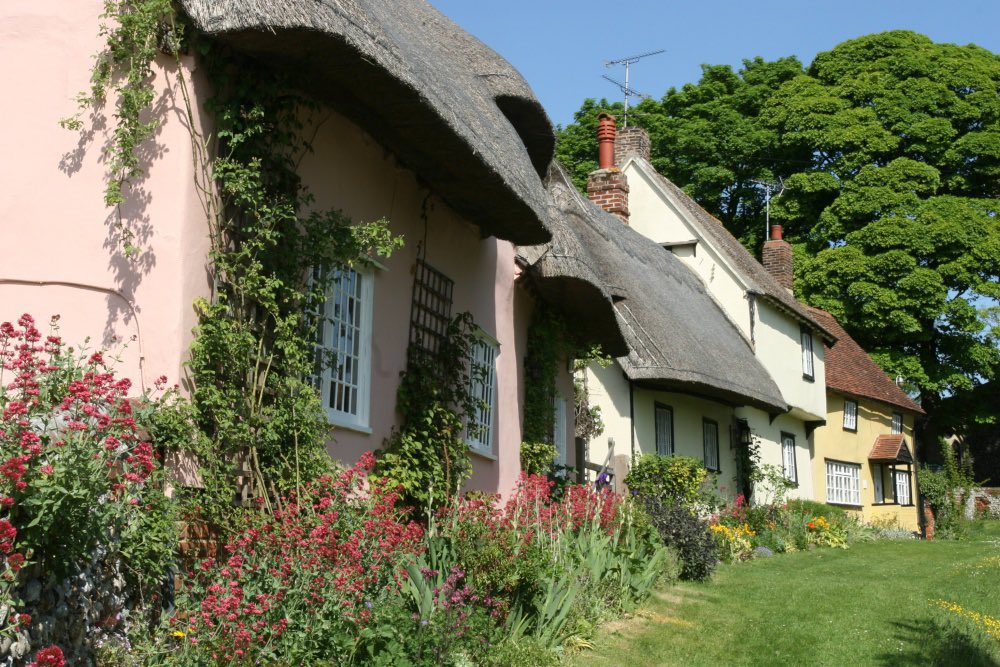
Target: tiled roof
[[890, 447], [850, 370]]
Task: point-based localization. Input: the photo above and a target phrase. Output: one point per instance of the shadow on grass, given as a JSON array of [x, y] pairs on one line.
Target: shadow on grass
[[930, 642]]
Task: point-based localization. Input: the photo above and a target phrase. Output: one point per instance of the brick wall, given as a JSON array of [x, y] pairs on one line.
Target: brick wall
[[631, 141], [777, 259], [608, 188]]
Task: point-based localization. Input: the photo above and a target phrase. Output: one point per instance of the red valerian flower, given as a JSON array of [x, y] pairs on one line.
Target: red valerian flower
[[51, 656]]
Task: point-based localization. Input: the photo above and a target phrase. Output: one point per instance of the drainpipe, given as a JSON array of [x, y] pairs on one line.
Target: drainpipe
[[631, 416]]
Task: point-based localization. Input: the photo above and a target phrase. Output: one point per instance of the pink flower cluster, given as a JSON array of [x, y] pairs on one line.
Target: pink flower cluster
[[53, 411], [327, 554]]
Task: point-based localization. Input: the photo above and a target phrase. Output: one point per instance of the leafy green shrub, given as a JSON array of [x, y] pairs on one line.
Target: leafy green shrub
[[814, 508], [679, 527], [669, 479], [946, 490], [537, 458]]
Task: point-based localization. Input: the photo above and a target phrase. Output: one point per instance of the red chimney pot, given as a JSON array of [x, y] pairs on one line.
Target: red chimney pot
[[776, 232], [606, 141]]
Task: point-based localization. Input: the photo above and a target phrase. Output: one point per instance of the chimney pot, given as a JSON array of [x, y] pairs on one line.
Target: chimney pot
[[606, 132], [776, 233]]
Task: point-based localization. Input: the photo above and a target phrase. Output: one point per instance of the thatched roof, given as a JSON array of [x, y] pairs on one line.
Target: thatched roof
[[759, 281], [450, 109], [643, 304]]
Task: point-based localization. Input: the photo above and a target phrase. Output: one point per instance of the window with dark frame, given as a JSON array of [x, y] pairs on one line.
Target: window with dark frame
[[808, 371], [710, 439], [897, 422], [663, 419], [850, 415], [789, 467]]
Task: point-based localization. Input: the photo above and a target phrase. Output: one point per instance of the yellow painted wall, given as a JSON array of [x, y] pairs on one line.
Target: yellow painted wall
[[834, 442]]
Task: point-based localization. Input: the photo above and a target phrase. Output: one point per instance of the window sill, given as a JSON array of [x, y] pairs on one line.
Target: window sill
[[849, 505], [348, 426], [808, 378], [851, 430], [483, 454]]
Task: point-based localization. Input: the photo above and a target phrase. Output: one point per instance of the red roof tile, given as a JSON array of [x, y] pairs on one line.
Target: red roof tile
[[850, 370], [890, 448]]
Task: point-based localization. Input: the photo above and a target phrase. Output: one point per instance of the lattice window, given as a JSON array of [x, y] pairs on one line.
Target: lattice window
[[843, 483], [897, 422], [345, 335], [851, 415], [903, 487], [430, 311], [482, 389], [788, 463]]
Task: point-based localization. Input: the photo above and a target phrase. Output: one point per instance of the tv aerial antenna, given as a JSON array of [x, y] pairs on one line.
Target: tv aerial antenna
[[769, 187], [625, 87]]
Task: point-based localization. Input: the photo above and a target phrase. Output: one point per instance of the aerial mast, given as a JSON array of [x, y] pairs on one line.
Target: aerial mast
[[626, 87]]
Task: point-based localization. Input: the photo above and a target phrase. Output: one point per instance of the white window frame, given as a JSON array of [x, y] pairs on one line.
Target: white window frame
[[352, 372], [897, 423], [850, 415], [710, 443], [483, 390], [843, 483], [902, 482], [663, 427], [808, 363], [789, 466]]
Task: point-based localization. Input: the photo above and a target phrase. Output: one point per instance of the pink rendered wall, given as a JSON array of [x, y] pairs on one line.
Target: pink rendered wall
[[349, 170], [60, 255]]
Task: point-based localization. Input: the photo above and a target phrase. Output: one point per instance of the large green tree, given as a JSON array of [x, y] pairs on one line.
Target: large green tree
[[888, 147]]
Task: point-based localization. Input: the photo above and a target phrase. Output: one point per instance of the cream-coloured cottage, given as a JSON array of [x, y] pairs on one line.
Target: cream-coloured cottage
[[777, 334]]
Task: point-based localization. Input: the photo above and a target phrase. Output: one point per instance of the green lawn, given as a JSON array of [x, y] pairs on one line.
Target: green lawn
[[867, 605]]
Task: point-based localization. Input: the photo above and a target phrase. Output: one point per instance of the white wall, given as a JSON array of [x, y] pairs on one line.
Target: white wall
[[779, 349], [655, 216]]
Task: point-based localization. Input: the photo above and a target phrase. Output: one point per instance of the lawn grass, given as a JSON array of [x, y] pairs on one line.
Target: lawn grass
[[867, 605]]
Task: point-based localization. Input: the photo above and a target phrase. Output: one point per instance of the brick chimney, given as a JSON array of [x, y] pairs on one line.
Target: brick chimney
[[607, 187], [631, 141], [777, 258]]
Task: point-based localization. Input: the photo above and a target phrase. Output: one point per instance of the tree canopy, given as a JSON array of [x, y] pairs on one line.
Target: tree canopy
[[888, 148]]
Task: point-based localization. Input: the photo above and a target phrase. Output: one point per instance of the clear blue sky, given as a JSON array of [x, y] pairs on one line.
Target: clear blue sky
[[560, 46]]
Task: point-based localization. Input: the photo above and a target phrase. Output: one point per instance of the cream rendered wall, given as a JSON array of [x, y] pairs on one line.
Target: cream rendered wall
[[608, 389], [62, 255], [768, 434], [654, 215], [779, 349], [689, 413], [834, 442]]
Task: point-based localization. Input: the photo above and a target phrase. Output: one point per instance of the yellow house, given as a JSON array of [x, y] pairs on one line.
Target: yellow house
[[863, 455]]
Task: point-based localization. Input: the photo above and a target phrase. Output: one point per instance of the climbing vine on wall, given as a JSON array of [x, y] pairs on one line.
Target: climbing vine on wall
[[272, 256], [428, 455]]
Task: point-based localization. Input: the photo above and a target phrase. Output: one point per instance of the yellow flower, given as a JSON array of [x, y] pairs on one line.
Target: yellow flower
[[178, 634], [987, 623]]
